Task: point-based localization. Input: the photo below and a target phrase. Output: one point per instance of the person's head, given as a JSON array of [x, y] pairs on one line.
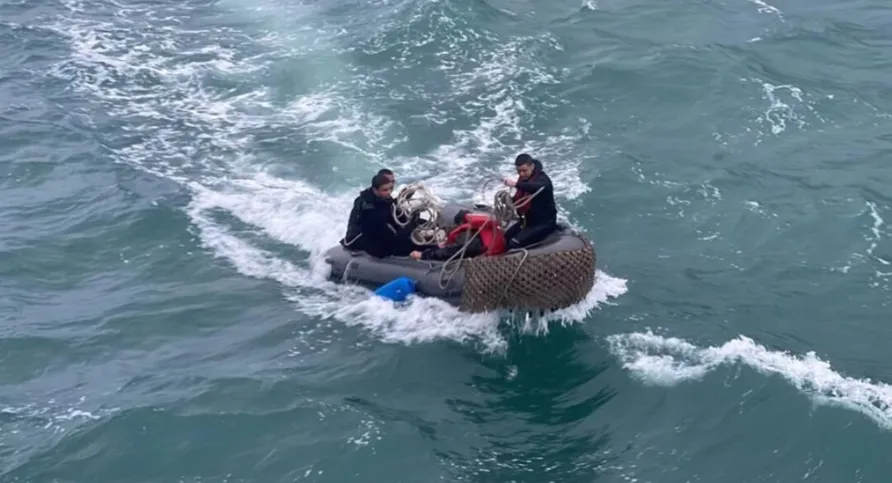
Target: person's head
[[382, 186], [525, 165], [388, 173], [460, 217]]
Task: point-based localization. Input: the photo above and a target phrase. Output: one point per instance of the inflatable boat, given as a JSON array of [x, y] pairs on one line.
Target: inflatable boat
[[552, 274]]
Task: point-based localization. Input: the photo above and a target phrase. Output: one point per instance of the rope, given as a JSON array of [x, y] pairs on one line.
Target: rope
[[461, 256], [508, 285], [504, 210], [348, 243], [408, 207]]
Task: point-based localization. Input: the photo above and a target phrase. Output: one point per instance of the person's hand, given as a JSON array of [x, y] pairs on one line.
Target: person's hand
[[510, 182], [415, 255]]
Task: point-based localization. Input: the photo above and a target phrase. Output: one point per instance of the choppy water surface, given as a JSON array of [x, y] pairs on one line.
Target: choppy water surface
[[174, 171]]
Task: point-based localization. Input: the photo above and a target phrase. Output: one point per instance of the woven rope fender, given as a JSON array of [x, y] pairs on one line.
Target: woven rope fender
[[545, 281]]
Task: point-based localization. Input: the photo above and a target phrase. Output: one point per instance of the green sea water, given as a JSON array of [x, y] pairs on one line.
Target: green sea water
[[172, 172]]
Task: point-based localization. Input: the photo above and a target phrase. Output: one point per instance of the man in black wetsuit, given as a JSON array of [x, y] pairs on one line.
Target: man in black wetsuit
[[352, 239], [538, 216], [374, 225]]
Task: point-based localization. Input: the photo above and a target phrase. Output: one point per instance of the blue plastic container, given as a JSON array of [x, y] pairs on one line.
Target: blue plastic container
[[397, 290]]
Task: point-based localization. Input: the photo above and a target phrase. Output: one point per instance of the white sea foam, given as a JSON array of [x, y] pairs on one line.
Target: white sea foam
[[668, 361]]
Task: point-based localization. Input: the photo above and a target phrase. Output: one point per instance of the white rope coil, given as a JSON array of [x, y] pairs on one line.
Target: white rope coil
[[412, 202], [416, 200]]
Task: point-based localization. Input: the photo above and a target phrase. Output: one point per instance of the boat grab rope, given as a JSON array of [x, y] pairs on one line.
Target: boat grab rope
[[508, 285]]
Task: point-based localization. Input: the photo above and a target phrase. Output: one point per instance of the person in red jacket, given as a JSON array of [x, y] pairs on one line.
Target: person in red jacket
[[489, 241]]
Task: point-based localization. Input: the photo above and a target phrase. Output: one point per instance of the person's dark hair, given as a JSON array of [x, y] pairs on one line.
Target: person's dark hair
[[523, 159], [460, 217], [385, 171], [380, 180]]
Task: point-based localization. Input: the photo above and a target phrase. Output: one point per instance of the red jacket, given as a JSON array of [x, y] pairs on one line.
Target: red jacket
[[491, 234]]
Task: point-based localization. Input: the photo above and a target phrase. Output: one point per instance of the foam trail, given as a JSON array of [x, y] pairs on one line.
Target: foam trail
[[667, 361]]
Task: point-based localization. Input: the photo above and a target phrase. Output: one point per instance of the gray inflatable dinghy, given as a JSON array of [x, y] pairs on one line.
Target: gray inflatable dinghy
[[353, 266]]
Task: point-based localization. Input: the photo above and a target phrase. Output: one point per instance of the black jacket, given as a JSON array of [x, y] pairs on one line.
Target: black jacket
[[543, 209], [381, 236], [353, 222]]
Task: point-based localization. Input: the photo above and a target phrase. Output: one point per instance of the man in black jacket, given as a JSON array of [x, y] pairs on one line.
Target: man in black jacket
[[538, 215], [352, 239], [373, 223]]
